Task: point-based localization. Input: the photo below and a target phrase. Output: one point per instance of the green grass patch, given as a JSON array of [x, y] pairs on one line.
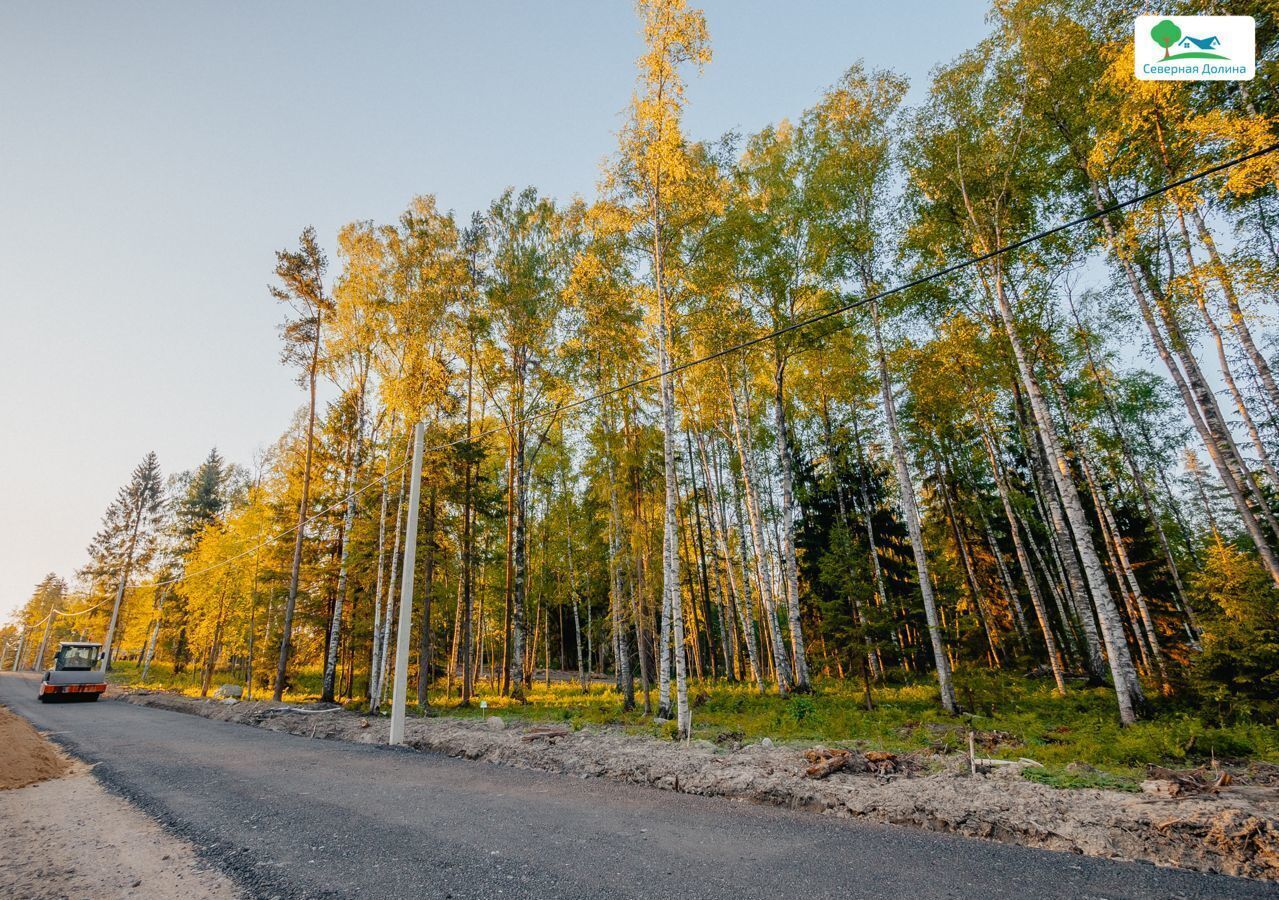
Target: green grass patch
[[1012, 716], [1065, 780]]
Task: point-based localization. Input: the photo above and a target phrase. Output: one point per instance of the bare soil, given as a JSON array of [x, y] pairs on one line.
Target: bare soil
[[62, 835], [1233, 830], [25, 757]]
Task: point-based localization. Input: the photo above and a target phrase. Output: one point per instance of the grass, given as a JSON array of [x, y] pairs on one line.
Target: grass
[[1067, 780], [1012, 716]]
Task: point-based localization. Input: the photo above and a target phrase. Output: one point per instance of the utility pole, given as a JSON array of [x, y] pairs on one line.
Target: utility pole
[[124, 584], [44, 641], [22, 642], [401, 686]]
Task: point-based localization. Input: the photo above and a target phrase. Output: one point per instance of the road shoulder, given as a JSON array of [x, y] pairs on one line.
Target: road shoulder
[[64, 835]]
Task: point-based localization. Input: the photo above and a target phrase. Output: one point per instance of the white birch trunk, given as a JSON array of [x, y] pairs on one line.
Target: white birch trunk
[[802, 682], [1128, 691], [781, 665], [910, 512]]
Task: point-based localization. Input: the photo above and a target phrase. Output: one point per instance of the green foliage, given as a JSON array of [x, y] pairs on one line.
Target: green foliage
[[1165, 33], [1237, 674], [801, 708], [1064, 779]]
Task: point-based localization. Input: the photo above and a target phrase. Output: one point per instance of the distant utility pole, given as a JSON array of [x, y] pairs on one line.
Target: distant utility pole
[[401, 687], [22, 641], [44, 641]]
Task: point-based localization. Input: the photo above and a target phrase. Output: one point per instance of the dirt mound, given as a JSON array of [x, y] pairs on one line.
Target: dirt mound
[[25, 757], [1232, 831]]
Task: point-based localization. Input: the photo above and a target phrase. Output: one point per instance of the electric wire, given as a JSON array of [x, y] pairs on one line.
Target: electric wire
[[63, 612]]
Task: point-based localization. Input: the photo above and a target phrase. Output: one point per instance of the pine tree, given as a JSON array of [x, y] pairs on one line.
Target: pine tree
[[127, 538], [301, 275]]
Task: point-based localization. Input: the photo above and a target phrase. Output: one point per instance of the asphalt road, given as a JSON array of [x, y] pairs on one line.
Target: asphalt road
[[286, 816]]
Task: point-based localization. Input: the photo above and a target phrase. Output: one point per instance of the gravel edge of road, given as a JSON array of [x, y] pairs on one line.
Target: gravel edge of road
[[1235, 835], [227, 859]]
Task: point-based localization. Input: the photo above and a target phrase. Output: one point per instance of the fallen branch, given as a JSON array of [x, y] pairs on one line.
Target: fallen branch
[[295, 709], [550, 733], [824, 762]]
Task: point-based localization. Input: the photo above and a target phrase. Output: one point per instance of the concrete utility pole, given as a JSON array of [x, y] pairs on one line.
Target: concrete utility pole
[[107, 645], [22, 643], [38, 663], [401, 687]]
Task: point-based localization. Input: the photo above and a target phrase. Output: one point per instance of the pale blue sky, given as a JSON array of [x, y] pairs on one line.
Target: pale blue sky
[[154, 155]]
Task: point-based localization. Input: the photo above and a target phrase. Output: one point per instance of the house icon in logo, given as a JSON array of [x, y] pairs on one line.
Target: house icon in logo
[[1208, 43]]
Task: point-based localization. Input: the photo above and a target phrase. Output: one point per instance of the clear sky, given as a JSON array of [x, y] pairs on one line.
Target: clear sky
[[154, 155]]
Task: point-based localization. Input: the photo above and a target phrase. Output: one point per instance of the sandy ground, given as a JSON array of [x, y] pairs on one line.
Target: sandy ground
[[25, 757], [63, 836]]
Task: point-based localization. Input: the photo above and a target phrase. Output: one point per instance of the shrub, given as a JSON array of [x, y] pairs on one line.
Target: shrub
[[801, 708]]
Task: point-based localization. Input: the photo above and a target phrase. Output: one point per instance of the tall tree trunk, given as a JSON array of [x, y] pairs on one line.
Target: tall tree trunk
[[509, 592], [518, 590], [703, 565], [672, 596], [468, 538], [155, 634], [1006, 581], [1124, 573], [1222, 275], [802, 683], [1238, 323], [1138, 479], [428, 584], [781, 665], [375, 661], [664, 659], [961, 547], [872, 543], [1128, 689], [1223, 360], [910, 512], [348, 520], [625, 675], [719, 534], [391, 605], [1036, 599], [290, 606], [1063, 545]]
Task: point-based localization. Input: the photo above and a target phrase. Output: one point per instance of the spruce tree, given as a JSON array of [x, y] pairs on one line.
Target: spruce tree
[[127, 537]]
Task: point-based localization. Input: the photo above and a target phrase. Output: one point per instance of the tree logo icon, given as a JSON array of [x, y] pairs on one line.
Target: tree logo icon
[[1166, 33]]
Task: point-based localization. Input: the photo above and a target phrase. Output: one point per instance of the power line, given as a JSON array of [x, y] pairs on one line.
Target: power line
[[63, 612], [751, 342]]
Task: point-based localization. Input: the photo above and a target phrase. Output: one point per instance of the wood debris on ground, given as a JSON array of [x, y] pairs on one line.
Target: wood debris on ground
[[826, 761], [1184, 782], [549, 733]]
